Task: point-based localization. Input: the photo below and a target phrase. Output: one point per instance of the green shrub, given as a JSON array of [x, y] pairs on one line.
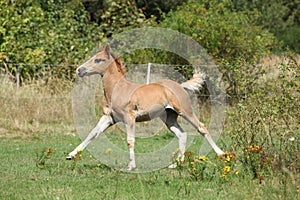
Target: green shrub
[[44, 32], [232, 38], [269, 117]]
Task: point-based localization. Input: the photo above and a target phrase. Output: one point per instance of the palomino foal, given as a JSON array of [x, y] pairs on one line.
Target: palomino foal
[[128, 102]]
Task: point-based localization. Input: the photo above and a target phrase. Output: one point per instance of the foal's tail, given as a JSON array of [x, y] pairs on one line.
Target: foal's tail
[[195, 83]]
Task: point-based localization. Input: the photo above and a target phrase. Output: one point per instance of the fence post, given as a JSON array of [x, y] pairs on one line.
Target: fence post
[[148, 73], [17, 76]]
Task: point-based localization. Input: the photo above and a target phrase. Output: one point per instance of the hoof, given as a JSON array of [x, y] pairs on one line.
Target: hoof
[[220, 154], [131, 168], [172, 166], [69, 157]]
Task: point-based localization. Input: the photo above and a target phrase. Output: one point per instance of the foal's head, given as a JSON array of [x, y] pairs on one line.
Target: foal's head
[[99, 63]]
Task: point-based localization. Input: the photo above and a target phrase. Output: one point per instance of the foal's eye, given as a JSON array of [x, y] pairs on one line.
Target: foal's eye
[[98, 60]]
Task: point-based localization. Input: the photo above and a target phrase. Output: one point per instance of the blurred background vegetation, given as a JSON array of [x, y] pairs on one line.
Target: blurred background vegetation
[[63, 33]]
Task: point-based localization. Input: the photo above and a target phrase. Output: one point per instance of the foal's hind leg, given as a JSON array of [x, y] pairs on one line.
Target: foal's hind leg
[[104, 123], [172, 124], [130, 128], [203, 131]]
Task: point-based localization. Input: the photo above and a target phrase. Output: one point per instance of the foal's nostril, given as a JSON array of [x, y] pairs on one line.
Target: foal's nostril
[[81, 71]]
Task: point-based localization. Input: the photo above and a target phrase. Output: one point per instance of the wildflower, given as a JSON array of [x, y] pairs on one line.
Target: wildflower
[[237, 172], [202, 158], [176, 152], [188, 153], [99, 165], [227, 159], [254, 148], [108, 150], [226, 169], [50, 150]]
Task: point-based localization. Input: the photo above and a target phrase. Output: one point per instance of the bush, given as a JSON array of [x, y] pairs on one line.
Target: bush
[[230, 37], [269, 117], [44, 32]]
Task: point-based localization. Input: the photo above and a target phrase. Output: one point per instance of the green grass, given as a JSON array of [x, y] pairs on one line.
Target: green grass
[[22, 178], [33, 120]]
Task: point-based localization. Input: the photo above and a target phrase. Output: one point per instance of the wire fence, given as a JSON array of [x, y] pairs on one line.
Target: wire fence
[[28, 72], [139, 73], [21, 72]]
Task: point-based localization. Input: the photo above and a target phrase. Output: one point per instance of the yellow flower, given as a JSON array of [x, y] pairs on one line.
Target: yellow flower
[[203, 158], [99, 165], [108, 150], [227, 159], [227, 169], [237, 172]]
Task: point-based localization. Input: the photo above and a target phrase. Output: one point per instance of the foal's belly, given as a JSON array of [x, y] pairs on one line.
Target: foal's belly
[[151, 113], [143, 118]]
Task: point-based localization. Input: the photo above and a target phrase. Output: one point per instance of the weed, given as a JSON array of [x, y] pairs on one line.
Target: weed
[[42, 157], [75, 159]]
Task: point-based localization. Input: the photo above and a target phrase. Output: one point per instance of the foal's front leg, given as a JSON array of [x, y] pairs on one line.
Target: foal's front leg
[[130, 128], [104, 122]]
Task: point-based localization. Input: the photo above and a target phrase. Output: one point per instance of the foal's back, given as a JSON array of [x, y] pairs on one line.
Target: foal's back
[[162, 94]]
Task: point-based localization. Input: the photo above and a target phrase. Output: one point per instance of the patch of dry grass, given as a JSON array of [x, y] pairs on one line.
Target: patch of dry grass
[[33, 106]]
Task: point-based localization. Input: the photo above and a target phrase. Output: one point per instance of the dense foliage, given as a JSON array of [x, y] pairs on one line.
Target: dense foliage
[[236, 33], [60, 31], [231, 37], [56, 32], [44, 32], [281, 17]]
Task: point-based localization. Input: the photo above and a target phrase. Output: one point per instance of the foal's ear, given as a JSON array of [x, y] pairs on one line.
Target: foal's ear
[[107, 50]]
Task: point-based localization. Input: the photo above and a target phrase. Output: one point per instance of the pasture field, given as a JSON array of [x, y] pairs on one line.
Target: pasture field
[[261, 136], [25, 176]]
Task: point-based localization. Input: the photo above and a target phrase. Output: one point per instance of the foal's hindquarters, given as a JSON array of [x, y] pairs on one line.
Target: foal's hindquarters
[[165, 99], [180, 104]]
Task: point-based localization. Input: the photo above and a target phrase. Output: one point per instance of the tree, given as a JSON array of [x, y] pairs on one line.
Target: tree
[[281, 17], [120, 15], [231, 37], [158, 8], [34, 31]]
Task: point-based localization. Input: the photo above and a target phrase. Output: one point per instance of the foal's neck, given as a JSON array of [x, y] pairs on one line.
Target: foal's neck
[[113, 76]]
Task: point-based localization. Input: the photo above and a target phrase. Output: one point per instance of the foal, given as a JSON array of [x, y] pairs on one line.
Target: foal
[[128, 102]]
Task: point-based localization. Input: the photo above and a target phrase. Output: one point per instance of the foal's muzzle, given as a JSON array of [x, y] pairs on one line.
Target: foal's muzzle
[[81, 71]]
